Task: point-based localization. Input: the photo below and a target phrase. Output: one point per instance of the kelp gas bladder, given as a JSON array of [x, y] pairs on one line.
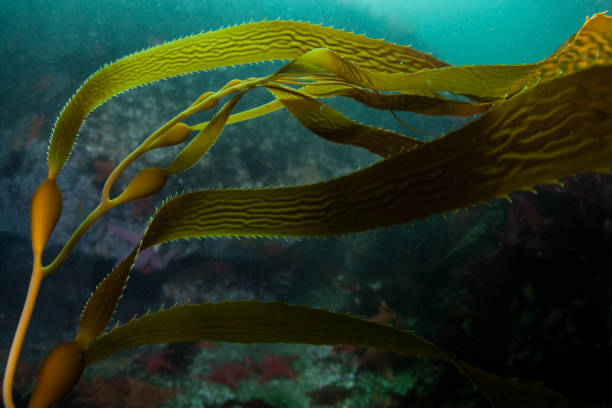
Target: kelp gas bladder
[[538, 123]]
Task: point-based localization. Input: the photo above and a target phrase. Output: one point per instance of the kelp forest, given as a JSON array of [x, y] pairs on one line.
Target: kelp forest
[[526, 126]]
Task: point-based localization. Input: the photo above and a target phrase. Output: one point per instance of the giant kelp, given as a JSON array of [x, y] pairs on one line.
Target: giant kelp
[[539, 122]]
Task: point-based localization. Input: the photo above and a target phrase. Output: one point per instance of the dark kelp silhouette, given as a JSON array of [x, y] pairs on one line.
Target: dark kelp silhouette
[[539, 122]]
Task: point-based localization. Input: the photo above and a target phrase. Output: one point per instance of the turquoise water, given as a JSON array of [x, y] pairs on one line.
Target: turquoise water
[[488, 32]]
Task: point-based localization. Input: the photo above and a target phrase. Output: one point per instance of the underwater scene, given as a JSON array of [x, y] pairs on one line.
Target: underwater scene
[[349, 203]]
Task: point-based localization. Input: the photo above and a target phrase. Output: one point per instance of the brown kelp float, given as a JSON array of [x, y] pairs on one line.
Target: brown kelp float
[[538, 123]]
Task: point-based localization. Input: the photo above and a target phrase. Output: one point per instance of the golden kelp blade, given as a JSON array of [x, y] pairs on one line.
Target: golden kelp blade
[[590, 45], [247, 43], [425, 105], [256, 112], [485, 81], [205, 139], [288, 40], [559, 128], [101, 305], [257, 322], [331, 125], [433, 106], [276, 322], [341, 78]]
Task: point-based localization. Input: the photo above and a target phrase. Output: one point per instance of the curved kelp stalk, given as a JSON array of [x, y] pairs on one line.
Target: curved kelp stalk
[[538, 123]]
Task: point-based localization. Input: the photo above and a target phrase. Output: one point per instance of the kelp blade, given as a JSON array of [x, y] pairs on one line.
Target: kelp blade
[[101, 305], [273, 40], [276, 322], [591, 45], [426, 105], [257, 322], [556, 129], [242, 44], [484, 81], [205, 139], [331, 125]]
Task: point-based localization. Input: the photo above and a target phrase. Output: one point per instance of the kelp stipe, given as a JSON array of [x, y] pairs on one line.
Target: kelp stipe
[[539, 122]]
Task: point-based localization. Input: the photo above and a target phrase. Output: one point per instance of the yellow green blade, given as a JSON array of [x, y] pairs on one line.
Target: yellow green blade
[[205, 139], [276, 322], [559, 128], [331, 125], [257, 322], [247, 114], [101, 305], [591, 45], [426, 105], [242, 44]]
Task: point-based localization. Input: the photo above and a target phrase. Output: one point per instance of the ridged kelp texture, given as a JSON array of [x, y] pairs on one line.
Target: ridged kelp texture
[[486, 81], [242, 44], [333, 126], [591, 45], [273, 40], [558, 128]]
